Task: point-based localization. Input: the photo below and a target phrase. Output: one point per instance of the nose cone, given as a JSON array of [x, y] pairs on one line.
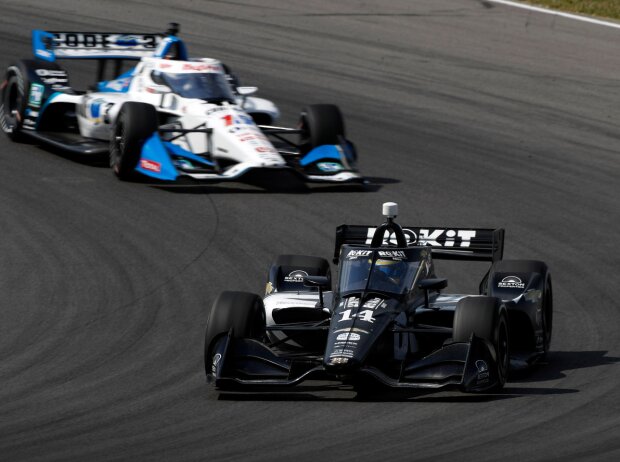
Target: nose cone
[[346, 349], [340, 365]]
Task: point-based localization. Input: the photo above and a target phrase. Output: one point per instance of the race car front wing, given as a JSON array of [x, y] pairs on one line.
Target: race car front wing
[[241, 363]]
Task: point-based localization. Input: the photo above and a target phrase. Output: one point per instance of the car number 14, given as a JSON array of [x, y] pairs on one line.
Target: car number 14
[[365, 315]]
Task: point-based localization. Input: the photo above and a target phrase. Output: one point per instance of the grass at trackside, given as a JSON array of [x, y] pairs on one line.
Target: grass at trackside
[[603, 8]]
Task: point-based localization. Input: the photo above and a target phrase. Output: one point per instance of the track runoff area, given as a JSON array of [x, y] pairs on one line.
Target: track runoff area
[[573, 16]]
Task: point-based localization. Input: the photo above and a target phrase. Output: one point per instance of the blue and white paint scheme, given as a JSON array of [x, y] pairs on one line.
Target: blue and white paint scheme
[[218, 138]]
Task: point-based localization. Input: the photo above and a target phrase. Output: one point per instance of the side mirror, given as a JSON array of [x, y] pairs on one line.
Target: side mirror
[[246, 91], [322, 282], [431, 284]]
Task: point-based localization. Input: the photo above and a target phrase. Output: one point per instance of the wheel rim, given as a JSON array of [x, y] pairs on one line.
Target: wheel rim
[[119, 144], [12, 102]]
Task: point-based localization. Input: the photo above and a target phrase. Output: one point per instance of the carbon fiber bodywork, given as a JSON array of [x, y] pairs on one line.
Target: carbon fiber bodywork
[[400, 339]]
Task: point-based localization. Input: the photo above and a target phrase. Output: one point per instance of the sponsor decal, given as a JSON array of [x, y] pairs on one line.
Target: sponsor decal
[[36, 94], [150, 165], [372, 303], [352, 329], [51, 76], [215, 109], [533, 295], [355, 254], [353, 302], [338, 360], [483, 371], [68, 40], [31, 113], [432, 237], [216, 360], [127, 40], [122, 84], [202, 67], [511, 282], [43, 53], [396, 254], [329, 166], [342, 352], [264, 149], [295, 276], [95, 109], [238, 119], [348, 336]]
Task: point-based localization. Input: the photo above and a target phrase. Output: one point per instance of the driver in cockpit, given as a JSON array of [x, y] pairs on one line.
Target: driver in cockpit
[[387, 274]]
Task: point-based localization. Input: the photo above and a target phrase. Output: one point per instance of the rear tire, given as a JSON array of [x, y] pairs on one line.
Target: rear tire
[[135, 123], [533, 266], [14, 101], [320, 124], [486, 318], [242, 312]]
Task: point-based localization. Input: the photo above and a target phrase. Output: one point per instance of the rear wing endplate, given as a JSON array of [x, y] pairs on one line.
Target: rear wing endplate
[[50, 46], [447, 243]]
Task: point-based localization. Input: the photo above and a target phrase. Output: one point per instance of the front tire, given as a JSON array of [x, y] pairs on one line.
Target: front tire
[[320, 124], [242, 312], [134, 125], [485, 317]]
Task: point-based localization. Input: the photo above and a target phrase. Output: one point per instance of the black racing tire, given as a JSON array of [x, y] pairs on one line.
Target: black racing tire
[[533, 266], [485, 317], [320, 124], [242, 311], [15, 90], [135, 123]]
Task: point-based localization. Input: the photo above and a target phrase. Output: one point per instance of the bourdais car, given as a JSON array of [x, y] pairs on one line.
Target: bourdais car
[[169, 117], [388, 322]]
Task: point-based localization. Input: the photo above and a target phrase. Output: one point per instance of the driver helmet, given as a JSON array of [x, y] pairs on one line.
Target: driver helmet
[[392, 269]]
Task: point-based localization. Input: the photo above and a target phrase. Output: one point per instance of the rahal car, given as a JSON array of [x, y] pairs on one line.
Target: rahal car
[[388, 322], [168, 117]]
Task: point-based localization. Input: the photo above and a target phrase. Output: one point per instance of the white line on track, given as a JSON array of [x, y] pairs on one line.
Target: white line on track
[[558, 13]]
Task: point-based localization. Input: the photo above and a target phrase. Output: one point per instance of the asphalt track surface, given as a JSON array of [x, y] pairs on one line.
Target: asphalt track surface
[[465, 113]]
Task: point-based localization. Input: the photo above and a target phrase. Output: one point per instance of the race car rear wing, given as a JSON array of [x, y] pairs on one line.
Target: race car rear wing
[[50, 46], [447, 243]]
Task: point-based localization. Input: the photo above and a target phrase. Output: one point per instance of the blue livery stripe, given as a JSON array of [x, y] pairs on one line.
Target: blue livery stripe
[[326, 151]]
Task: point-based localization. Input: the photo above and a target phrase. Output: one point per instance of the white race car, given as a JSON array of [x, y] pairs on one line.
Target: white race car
[[169, 117]]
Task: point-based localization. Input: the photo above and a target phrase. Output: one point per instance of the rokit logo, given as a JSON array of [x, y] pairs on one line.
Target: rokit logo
[[295, 276], [355, 254], [433, 237], [511, 282], [396, 254]]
